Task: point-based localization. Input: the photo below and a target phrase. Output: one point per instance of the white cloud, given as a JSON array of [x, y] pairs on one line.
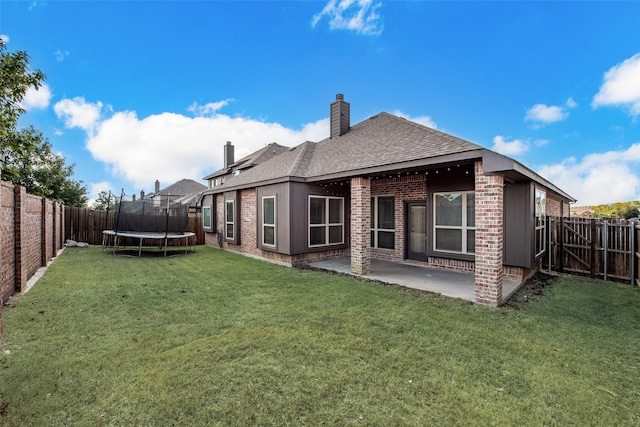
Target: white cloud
[[423, 120], [4, 38], [621, 86], [209, 108], [61, 55], [509, 148], [78, 113], [36, 98], [546, 114], [170, 146], [599, 177], [355, 15], [571, 103]]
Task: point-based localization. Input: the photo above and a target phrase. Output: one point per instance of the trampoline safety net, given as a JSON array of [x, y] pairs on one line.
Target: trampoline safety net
[[143, 216]]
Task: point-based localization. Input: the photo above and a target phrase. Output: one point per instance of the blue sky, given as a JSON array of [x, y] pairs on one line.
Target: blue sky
[[146, 90]]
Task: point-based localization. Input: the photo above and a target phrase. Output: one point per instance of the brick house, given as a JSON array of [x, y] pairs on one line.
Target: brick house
[[385, 188]]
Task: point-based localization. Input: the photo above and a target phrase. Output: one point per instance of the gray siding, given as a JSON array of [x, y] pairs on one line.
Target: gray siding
[[281, 192], [519, 250], [455, 180], [300, 193]]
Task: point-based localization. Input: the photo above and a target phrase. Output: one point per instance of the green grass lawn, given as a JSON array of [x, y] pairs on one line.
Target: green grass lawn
[[215, 338]]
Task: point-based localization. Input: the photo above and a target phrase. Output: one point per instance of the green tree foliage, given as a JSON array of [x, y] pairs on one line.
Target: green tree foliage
[[27, 154], [33, 165], [104, 201], [15, 79], [625, 210]]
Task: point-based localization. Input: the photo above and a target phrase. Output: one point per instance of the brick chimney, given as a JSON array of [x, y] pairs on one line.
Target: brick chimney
[[339, 116], [228, 155], [141, 194]]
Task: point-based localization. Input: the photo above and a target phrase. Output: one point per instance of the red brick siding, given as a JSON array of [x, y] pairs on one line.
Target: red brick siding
[[489, 237], [553, 207], [248, 223], [404, 189], [360, 225]]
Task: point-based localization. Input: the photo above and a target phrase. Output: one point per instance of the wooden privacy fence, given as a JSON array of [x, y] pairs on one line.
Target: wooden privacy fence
[[600, 249], [87, 225]]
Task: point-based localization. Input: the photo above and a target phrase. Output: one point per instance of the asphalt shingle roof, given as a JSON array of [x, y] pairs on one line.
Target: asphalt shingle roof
[[383, 139]]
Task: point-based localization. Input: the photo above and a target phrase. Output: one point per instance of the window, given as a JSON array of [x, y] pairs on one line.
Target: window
[[454, 222], [541, 221], [206, 217], [383, 222], [229, 219], [269, 221], [326, 220]]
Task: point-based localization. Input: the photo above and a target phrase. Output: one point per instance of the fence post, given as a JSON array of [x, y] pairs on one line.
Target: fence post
[[632, 255], [605, 243], [550, 243], [561, 244]]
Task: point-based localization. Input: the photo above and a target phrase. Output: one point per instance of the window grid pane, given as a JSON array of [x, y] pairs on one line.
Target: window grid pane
[[269, 235], [317, 210], [206, 217], [449, 209], [269, 210]]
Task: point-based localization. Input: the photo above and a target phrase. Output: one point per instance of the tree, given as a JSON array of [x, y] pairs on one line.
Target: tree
[[15, 79], [26, 157], [104, 201], [33, 165]]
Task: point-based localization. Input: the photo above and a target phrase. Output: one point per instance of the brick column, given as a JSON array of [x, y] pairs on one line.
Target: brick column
[[360, 226], [489, 237], [19, 194]]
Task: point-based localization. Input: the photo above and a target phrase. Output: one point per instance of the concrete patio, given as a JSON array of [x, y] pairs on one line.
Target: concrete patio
[[448, 283]]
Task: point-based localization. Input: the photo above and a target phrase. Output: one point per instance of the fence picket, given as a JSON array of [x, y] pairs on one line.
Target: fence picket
[[596, 248]]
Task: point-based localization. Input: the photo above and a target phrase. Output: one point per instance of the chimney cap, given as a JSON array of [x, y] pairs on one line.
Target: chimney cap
[[339, 97]]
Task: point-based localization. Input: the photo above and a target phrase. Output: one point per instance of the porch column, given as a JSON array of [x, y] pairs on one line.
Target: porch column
[[360, 226], [489, 237]]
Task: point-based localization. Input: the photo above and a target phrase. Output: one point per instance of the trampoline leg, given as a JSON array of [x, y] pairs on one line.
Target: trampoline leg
[[140, 248]]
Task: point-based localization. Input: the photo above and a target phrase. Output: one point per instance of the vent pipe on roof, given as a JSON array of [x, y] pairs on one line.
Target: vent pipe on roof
[[340, 116], [228, 155]]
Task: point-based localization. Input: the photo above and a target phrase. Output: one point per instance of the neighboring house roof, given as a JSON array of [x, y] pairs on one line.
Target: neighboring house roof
[[181, 188], [269, 151], [582, 211], [382, 143]]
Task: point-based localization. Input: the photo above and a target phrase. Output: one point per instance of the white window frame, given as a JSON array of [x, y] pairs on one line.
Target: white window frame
[[463, 227], [327, 224], [266, 225], [540, 221], [229, 204], [374, 218], [206, 213]]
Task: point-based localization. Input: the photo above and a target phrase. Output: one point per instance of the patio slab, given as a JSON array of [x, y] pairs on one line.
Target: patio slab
[[448, 283]]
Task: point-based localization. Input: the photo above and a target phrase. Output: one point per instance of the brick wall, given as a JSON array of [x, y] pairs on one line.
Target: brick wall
[[405, 189], [554, 207], [31, 234]]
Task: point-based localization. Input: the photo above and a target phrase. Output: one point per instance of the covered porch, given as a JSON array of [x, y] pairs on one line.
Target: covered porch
[[448, 283]]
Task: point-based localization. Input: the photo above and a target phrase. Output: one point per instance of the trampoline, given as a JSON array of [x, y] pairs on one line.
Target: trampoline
[[162, 240], [149, 226]]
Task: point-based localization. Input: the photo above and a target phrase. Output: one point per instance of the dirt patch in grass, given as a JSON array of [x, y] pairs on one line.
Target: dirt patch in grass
[[536, 287]]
